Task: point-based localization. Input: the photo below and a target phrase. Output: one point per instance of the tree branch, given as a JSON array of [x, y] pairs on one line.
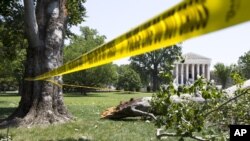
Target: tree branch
[[158, 60], [31, 26], [143, 113], [225, 103]]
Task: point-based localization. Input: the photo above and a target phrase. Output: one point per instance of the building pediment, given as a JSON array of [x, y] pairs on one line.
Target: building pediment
[[193, 58]]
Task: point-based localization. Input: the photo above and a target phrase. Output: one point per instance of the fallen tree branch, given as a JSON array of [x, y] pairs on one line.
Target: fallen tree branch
[[225, 103]]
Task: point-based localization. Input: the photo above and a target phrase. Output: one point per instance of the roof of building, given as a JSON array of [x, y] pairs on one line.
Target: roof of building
[[191, 55], [192, 58]]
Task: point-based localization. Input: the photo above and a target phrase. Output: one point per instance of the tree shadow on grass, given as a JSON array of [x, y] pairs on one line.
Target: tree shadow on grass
[[5, 112], [72, 139], [126, 92], [128, 119], [81, 95], [3, 102], [8, 94], [68, 139]]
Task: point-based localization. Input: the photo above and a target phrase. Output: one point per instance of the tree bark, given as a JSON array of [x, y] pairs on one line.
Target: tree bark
[[42, 102], [155, 78]]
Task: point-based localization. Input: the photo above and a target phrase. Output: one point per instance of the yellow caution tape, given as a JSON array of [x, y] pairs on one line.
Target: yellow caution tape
[[186, 20], [54, 82], [79, 86], [88, 87]]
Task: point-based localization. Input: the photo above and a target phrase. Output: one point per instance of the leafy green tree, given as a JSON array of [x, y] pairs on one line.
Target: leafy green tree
[[102, 76], [12, 38], [222, 72], [11, 71], [144, 76], [208, 120], [244, 64], [153, 62], [128, 79], [12, 44], [44, 25]]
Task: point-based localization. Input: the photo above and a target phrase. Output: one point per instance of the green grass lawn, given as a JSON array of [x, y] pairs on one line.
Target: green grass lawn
[[87, 110], [87, 123]]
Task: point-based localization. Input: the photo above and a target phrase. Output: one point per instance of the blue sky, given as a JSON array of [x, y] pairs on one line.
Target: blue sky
[[114, 17]]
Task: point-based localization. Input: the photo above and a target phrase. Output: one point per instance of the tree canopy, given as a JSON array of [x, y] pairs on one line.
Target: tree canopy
[[13, 41], [222, 72], [153, 62], [244, 64], [102, 76], [128, 79], [12, 44]]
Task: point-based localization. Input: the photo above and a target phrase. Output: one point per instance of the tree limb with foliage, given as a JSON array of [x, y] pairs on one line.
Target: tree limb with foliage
[[209, 120]]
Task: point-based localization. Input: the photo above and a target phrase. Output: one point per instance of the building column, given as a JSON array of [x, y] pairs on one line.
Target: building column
[[177, 73], [208, 72], [192, 71], [182, 76], [187, 67], [203, 70], [198, 70]]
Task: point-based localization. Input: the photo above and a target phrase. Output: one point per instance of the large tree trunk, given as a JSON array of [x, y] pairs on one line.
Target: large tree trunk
[[155, 78], [42, 102]]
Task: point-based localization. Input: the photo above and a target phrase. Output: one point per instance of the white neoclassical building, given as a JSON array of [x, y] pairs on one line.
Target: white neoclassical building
[[195, 65]]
